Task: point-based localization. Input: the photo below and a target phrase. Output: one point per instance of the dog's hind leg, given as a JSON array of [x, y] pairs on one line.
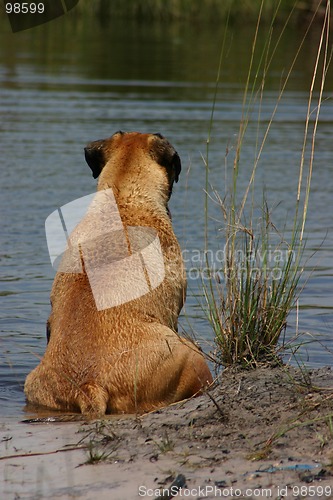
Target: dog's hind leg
[[92, 400]]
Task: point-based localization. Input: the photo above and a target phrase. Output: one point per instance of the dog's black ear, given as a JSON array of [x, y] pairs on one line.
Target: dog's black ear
[[177, 165], [95, 156], [166, 155]]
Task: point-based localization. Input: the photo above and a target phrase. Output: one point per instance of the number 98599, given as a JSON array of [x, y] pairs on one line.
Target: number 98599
[[24, 8]]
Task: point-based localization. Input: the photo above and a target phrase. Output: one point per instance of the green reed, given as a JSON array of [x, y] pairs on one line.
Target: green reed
[[248, 302]]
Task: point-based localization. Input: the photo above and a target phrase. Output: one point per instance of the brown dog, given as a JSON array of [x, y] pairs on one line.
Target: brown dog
[[113, 346]]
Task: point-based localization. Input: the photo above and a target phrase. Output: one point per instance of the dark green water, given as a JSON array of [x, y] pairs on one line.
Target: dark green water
[[72, 81]]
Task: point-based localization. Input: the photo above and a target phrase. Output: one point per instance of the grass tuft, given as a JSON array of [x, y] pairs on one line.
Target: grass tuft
[[101, 441], [248, 301]]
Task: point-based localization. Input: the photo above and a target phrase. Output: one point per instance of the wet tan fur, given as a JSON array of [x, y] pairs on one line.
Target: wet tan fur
[[128, 358]]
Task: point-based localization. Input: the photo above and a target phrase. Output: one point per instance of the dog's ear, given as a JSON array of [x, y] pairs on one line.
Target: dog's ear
[[166, 156], [97, 153], [95, 156]]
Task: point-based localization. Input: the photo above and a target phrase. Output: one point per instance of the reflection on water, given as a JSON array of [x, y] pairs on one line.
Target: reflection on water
[[70, 81]]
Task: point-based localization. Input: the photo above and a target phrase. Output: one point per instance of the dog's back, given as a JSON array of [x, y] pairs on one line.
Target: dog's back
[[113, 348]]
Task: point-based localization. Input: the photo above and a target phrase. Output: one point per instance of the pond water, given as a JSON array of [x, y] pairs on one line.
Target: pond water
[[73, 80]]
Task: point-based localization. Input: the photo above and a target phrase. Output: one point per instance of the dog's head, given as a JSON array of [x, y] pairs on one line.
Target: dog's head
[[132, 162]]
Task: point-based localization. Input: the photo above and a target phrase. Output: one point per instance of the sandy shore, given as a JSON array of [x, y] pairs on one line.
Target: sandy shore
[[266, 433]]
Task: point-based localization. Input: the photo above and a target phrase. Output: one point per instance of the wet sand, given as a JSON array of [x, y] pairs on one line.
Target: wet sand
[[266, 433]]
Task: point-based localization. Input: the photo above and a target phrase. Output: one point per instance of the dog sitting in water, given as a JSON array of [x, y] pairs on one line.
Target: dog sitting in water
[[113, 343]]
